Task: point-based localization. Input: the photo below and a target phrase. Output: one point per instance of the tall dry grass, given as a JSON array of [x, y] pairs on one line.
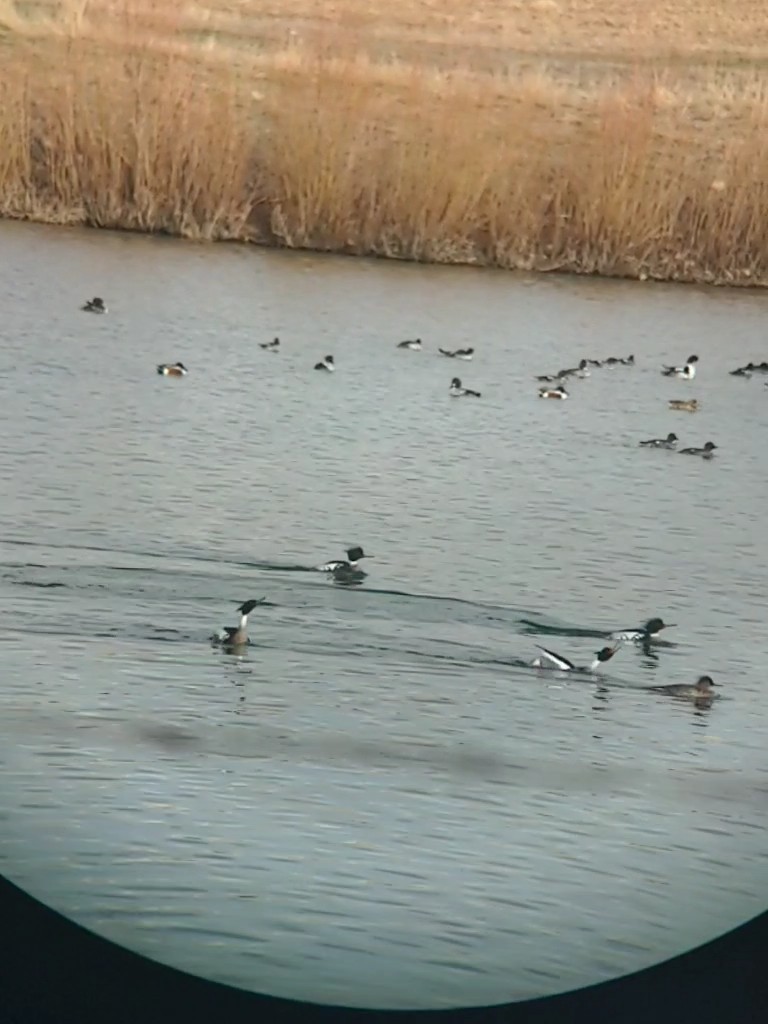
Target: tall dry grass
[[318, 143]]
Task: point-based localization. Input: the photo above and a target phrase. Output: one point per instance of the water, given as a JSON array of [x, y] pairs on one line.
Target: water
[[381, 804]]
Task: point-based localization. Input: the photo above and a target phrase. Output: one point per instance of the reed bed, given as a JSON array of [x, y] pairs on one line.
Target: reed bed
[[225, 123]]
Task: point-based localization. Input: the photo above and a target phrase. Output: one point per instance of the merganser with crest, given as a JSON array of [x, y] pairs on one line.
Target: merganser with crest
[[326, 364], [649, 631], [457, 391], [353, 554], [551, 660], [660, 442], [172, 370], [94, 306], [687, 372], [414, 344], [236, 636]]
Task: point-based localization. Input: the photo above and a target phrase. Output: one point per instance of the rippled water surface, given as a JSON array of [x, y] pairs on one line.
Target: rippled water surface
[[381, 803]]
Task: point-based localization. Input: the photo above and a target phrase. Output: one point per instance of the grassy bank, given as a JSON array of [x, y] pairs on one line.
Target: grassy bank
[[543, 136]]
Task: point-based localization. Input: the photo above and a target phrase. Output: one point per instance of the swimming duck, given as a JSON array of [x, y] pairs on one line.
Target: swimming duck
[[649, 631], [457, 391], [684, 404], [551, 660], [743, 371], [236, 636], [575, 371], [660, 442], [354, 555], [270, 346], [703, 689], [551, 378], [326, 364], [94, 306], [414, 345], [172, 369], [459, 353], [687, 372], [707, 452], [558, 392], [629, 361]]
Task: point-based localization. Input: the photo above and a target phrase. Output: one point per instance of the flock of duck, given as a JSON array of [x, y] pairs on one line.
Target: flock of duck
[[234, 638]]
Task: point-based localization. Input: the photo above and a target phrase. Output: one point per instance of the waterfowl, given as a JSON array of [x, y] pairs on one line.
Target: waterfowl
[[172, 369], [702, 689], [457, 391], [684, 404], [649, 631], [629, 361], [326, 363], [575, 371], [459, 353], [270, 346], [558, 392], [687, 372], [743, 371], [354, 555], [706, 452], [413, 344], [595, 362], [94, 306], [660, 442], [551, 378], [552, 660], [236, 636]]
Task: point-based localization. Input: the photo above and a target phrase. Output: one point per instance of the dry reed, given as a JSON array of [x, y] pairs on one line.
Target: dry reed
[[321, 144]]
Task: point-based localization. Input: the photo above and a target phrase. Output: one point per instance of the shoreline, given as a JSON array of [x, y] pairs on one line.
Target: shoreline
[[322, 142]]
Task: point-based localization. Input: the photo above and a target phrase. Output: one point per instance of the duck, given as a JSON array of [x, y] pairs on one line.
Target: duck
[[459, 353], [95, 305], [172, 369], [551, 660], [660, 442], [687, 372], [629, 361], [236, 636], [326, 363], [575, 371], [354, 555], [702, 689], [707, 452], [684, 404], [558, 392], [649, 631], [743, 371], [413, 344], [551, 378], [458, 391], [270, 346]]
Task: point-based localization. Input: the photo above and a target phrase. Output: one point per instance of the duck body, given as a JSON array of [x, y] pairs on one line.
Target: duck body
[[270, 346], [554, 661], [95, 305], [414, 345], [643, 634], [236, 636], [459, 353], [172, 370], [670, 441], [340, 565], [684, 404], [557, 393], [327, 364], [702, 690], [687, 372], [457, 390], [707, 452]]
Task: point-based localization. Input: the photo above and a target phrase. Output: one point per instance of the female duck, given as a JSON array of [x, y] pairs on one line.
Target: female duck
[[703, 689], [684, 404]]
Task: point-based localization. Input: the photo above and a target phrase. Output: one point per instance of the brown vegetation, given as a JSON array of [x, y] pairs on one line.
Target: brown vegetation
[[586, 135]]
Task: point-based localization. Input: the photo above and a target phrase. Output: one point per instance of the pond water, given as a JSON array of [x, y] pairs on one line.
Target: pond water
[[381, 803]]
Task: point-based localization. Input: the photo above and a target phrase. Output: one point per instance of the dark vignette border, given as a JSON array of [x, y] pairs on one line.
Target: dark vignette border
[[55, 972]]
